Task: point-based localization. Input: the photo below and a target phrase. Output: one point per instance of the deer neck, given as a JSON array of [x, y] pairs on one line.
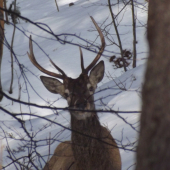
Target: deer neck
[[89, 126], [87, 147]]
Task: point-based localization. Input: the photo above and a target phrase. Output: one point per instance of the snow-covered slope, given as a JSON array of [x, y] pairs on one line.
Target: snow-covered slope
[[118, 91]]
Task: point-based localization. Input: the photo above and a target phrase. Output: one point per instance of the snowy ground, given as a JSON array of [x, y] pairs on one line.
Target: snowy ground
[[118, 91]]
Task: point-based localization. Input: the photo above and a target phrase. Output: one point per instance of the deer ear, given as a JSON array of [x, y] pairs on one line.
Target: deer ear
[[97, 73], [53, 85]]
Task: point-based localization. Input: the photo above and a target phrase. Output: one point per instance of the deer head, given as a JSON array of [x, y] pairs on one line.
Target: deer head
[[78, 92]]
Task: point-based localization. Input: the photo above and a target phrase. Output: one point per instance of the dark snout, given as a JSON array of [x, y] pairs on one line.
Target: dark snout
[[81, 104]]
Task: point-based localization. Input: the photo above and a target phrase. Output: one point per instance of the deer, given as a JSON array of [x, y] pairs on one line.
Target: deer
[[91, 147]]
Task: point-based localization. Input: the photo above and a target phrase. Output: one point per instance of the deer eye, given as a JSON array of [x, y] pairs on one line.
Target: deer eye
[[66, 95], [91, 89]]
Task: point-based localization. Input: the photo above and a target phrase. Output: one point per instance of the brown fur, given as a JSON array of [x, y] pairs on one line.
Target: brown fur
[[90, 152], [104, 157], [96, 152], [91, 147], [62, 158]]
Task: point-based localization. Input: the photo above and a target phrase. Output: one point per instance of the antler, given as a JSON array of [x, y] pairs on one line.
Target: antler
[[63, 75], [82, 62], [99, 53], [33, 60]]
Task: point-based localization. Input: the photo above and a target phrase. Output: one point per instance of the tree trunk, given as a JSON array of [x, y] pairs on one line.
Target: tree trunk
[[153, 151], [1, 42]]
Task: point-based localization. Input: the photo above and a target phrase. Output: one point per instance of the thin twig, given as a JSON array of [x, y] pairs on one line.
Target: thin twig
[[57, 5], [12, 42], [118, 36], [134, 34]]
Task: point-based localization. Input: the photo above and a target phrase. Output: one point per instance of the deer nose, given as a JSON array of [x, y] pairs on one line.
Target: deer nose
[[81, 104]]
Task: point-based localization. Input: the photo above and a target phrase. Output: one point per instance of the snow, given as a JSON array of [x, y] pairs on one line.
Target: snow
[[119, 90]]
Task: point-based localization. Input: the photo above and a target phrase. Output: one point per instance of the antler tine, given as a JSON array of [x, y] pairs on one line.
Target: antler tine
[[34, 62], [82, 62], [101, 49], [58, 68]]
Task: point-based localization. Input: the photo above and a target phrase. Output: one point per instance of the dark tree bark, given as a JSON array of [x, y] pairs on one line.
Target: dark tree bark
[[153, 151]]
